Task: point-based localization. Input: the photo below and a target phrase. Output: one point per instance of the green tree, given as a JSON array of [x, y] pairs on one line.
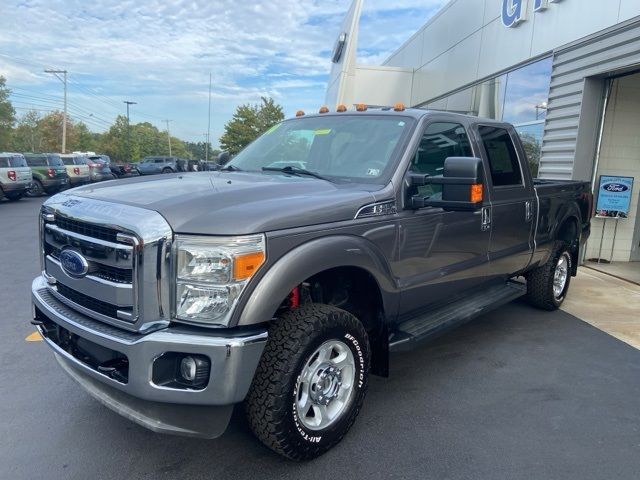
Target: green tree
[[26, 135], [198, 150], [7, 115], [248, 123]]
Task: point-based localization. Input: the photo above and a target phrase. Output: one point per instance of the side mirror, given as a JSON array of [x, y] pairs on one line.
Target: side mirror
[[462, 185], [223, 157]]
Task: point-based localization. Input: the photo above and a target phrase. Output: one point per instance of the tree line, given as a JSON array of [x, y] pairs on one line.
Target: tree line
[[34, 132]]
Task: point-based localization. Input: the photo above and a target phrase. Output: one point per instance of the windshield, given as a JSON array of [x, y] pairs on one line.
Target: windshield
[[349, 147], [55, 161]]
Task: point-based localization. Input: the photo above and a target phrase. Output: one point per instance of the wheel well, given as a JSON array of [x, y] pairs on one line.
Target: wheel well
[[569, 233], [355, 290]]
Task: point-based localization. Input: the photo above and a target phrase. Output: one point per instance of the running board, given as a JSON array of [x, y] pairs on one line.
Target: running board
[[416, 330]]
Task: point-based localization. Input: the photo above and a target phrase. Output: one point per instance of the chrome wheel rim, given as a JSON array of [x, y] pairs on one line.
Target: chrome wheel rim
[[325, 387], [560, 276]]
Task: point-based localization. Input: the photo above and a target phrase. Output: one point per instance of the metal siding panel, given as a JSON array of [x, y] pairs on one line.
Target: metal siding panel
[[602, 54]]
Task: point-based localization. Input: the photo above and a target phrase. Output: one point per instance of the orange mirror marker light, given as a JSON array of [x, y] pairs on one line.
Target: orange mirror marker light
[[341, 108], [300, 113], [324, 109], [361, 107], [399, 107], [476, 193]]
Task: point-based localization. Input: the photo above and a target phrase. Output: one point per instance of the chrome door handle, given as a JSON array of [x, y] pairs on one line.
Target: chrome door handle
[[527, 211], [486, 218]]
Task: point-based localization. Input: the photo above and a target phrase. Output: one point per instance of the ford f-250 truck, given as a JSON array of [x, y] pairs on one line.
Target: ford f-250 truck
[[285, 279]]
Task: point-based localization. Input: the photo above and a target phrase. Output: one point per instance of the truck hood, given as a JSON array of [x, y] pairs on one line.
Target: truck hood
[[236, 203]]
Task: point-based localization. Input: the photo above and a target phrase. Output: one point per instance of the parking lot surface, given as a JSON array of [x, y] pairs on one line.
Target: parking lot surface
[[518, 394]]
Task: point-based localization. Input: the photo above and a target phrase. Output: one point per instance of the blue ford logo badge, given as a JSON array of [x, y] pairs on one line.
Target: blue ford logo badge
[[615, 187], [73, 264]]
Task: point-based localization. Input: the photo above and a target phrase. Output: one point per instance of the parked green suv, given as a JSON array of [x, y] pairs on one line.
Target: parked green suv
[[49, 173], [15, 176]]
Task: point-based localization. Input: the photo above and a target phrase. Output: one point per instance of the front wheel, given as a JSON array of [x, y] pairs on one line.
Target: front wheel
[[548, 284], [311, 381]]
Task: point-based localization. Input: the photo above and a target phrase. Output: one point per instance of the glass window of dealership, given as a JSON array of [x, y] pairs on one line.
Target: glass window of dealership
[[519, 96]]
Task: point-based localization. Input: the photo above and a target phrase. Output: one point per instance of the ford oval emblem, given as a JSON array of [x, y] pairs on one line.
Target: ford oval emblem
[[615, 187], [73, 264]]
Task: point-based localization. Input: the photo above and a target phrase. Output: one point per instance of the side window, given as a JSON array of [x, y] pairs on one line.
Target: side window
[[502, 156], [439, 141]]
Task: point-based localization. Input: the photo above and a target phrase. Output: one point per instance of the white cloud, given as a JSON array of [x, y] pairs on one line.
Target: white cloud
[[160, 52]]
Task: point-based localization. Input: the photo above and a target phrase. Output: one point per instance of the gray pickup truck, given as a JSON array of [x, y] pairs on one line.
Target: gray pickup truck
[[285, 279]]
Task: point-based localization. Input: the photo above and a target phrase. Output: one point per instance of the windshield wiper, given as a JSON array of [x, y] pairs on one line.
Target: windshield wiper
[[295, 171], [230, 168]]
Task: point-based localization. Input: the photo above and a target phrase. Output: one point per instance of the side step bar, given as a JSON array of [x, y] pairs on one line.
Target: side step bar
[[431, 324]]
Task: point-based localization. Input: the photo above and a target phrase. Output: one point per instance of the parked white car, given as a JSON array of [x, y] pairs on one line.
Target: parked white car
[[15, 175], [77, 169]]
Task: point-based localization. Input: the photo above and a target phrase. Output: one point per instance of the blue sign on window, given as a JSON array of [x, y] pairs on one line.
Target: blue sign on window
[[614, 196]]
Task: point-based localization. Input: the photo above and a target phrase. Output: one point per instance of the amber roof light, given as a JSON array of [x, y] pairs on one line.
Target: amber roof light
[[399, 107], [361, 107], [300, 113], [324, 109], [341, 108]]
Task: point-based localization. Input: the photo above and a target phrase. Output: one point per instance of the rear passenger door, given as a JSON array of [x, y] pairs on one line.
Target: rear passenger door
[[512, 209]]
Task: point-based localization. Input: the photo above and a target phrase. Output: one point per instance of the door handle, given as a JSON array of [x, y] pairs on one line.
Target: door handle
[[486, 218], [527, 211]]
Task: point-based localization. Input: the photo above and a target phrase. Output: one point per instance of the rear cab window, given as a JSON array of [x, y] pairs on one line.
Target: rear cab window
[[501, 155]]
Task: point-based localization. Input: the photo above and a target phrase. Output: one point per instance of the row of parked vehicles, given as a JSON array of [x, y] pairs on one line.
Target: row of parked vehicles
[[35, 174], [163, 164]]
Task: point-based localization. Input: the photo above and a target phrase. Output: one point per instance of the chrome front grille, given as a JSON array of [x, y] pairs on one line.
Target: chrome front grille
[[127, 280]]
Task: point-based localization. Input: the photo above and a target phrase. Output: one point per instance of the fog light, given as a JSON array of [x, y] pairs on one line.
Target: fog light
[[188, 368], [194, 371]]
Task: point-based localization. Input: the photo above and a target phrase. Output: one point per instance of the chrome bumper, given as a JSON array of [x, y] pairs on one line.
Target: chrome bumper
[[234, 358]]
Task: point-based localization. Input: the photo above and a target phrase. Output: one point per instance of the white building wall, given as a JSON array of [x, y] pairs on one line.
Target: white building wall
[[466, 41]]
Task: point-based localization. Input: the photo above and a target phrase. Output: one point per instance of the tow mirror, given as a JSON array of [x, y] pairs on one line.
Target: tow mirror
[[223, 157], [462, 185]]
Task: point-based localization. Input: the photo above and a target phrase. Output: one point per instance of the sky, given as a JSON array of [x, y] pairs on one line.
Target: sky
[[159, 53]]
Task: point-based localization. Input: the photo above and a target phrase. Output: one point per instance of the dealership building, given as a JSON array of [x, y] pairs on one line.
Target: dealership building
[[566, 73]]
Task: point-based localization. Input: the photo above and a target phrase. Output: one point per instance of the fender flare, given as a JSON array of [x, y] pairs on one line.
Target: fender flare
[[309, 259]]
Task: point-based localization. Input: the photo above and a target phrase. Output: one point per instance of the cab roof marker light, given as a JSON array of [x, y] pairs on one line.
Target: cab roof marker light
[[399, 107], [361, 107], [324, 109], [300, 113], [341, 108]]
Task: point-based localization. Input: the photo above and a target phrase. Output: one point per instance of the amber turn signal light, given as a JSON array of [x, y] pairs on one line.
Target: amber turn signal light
[[300, 113], [244, 266], [361, 107], [341, 108], [324, 110], [476, 193]]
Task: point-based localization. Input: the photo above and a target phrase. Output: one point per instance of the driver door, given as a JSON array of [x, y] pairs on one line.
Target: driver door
[[441, 253]]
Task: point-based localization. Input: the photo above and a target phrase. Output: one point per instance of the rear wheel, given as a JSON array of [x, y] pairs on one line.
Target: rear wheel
[[35, 189], [167, 170], [548, 284], [311, 381], [15, 196]]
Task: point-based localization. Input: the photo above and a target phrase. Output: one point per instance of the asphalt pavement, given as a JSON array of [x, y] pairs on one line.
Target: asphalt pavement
[[516, 394]]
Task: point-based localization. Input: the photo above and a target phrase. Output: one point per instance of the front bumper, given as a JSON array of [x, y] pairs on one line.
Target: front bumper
[[234, 358]]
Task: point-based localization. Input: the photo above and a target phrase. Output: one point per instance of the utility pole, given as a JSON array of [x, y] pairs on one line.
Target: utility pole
[[209, 123], [64, 115], [129, 129], [169, 135]]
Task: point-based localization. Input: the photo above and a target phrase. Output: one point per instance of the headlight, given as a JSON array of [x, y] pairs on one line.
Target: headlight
[[211, 274]]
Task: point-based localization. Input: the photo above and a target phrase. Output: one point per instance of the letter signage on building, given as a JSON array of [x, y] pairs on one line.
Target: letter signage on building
[[515, 11], [614, 196]]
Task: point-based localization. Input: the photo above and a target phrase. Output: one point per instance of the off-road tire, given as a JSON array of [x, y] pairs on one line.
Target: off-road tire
[[540, 281], [271, 402]]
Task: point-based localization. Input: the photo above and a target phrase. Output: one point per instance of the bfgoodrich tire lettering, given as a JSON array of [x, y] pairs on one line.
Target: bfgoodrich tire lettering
[[272, 402]]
